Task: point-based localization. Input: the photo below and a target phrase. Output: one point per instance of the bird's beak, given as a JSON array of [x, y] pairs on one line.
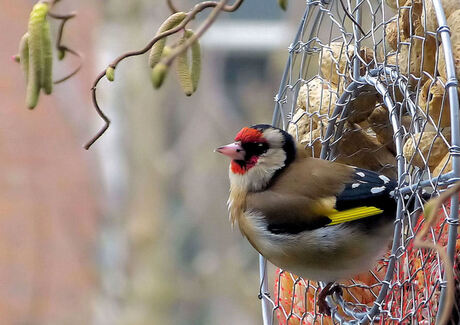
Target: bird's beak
[[232, 150]]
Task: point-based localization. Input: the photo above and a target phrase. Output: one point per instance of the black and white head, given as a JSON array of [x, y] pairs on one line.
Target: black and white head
[[258, 153]]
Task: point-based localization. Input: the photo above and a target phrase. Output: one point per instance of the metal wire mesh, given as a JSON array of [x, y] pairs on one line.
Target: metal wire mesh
[[375, 87]]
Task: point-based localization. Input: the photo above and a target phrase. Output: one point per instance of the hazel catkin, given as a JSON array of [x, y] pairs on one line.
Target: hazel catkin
[[36, 30], [158, 47]]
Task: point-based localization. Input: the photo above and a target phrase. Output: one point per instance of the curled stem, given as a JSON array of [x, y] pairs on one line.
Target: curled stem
[[100, 113], [210, 4], [64, 19], [63, 48], [348, 14], [171, 6], [218, 6], [75, 71], [201, 30]]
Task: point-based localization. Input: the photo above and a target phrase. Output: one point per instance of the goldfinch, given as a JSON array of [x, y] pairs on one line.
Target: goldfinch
[[320, 220]]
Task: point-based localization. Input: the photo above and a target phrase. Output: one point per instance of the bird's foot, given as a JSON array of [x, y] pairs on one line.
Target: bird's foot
[[328, 290]]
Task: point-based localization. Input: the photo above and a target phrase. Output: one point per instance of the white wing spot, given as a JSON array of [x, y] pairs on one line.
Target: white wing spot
[[361, 174], [376, 190], [355, 185], [392, 193], [384, 179], [406, 197]]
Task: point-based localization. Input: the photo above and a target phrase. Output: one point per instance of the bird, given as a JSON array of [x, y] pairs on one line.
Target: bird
[[321, 220]]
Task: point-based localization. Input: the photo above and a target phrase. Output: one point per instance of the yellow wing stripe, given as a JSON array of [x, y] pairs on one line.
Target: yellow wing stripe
[[352, 214]]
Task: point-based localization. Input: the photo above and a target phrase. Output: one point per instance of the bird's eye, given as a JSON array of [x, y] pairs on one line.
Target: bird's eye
[[255, 148]]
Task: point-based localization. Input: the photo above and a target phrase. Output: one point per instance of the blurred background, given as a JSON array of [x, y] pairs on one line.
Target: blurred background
[[135, 230]]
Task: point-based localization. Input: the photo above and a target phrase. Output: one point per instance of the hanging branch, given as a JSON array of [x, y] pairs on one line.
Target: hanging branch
[[209, 21], [210, 4], [431, 209], [62, 49], [190, 15], [171, 6], [36, 51], [348, 14]]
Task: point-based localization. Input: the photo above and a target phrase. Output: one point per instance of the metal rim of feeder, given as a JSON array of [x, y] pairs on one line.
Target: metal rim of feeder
[[279, 119]]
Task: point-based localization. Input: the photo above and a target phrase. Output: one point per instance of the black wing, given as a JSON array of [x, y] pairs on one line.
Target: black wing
[[368, 188]]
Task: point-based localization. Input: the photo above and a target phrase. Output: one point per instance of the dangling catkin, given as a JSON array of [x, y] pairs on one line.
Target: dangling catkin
[[36, 30], [47, 74], [157, 48]]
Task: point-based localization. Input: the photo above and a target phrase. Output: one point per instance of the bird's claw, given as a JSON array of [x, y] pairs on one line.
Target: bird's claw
[[328, 290]]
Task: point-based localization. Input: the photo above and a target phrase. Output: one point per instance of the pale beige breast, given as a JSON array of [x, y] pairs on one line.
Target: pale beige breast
[[326, 253]]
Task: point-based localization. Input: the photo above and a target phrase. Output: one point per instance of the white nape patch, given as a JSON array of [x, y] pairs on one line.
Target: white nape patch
[[355, 185], [384, 179], [376, 190], [361, 174], [274, 137]]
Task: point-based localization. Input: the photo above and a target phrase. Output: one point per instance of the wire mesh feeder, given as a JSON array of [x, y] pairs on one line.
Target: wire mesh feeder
[[374, 86]]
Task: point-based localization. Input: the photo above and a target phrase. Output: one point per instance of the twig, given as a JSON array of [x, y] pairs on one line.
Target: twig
[[75, 71], [171, 6], [64, 19], [431, 208], [206, 24], [347, 13], [99, 112], [210, 4], [219, 6], [60, 47]]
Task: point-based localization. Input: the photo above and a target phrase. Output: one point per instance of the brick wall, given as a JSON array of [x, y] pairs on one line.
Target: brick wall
[[48, 183]]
